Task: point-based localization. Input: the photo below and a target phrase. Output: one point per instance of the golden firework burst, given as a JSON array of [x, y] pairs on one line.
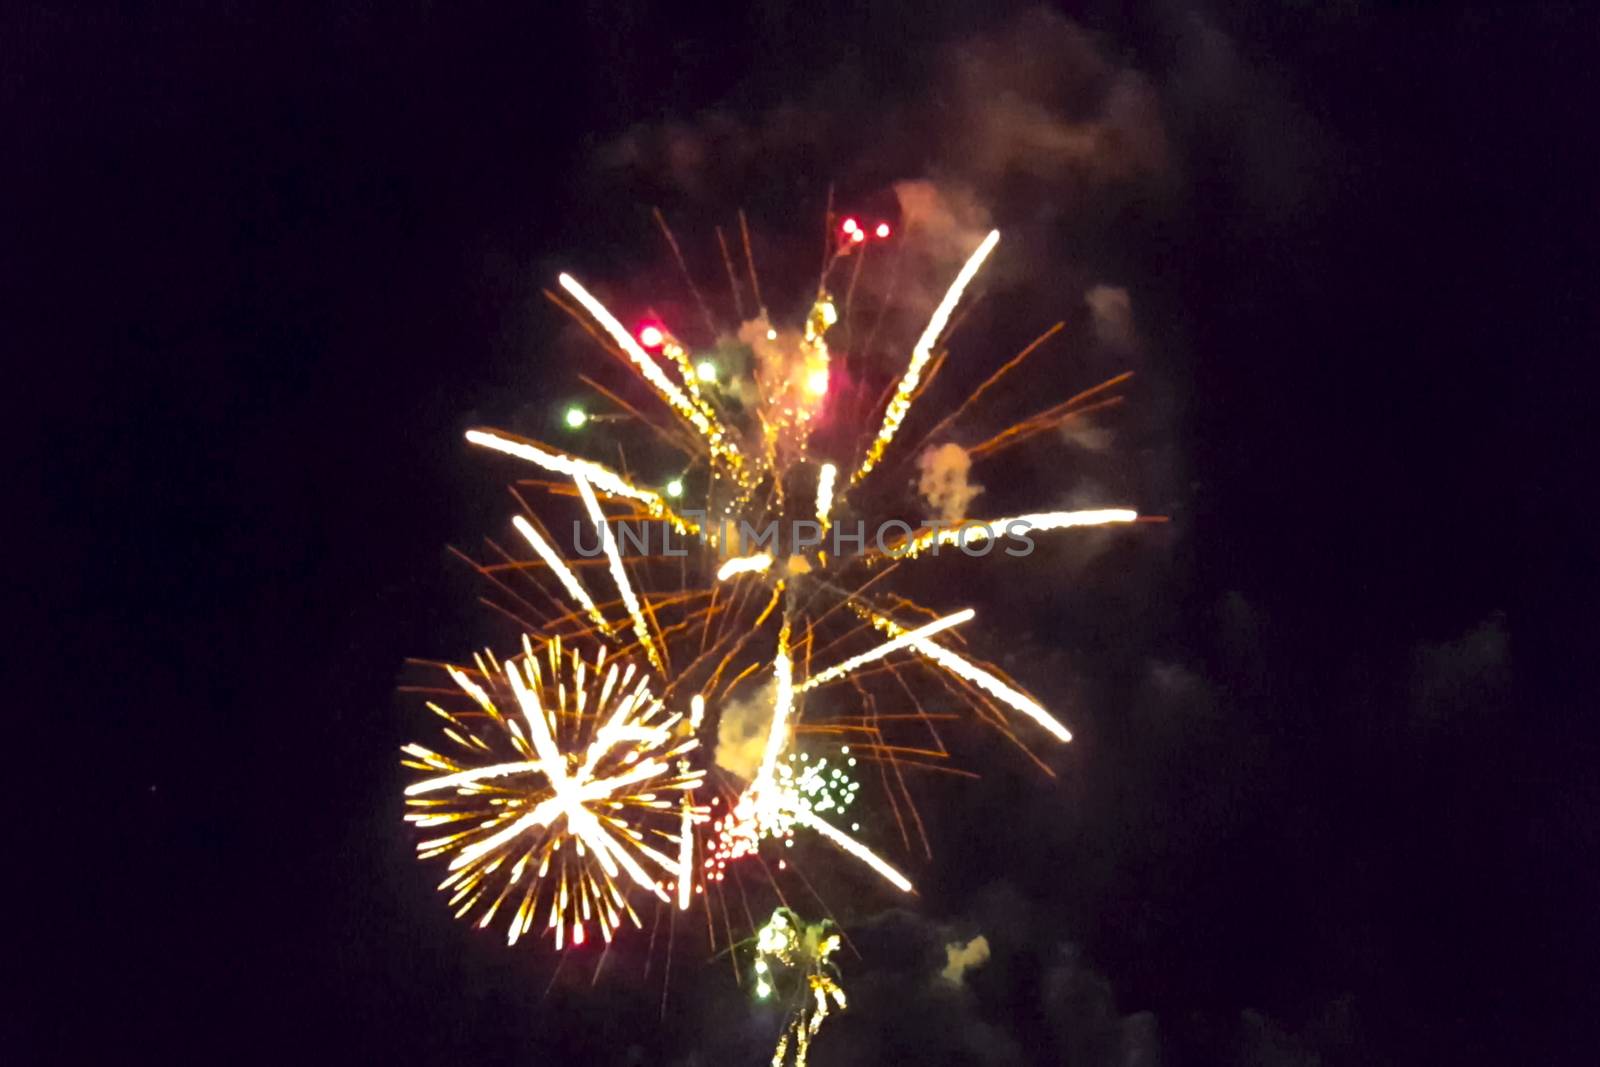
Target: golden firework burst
[[558, 792]]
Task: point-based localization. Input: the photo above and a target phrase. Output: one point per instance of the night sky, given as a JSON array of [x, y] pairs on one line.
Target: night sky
[[262, 271]]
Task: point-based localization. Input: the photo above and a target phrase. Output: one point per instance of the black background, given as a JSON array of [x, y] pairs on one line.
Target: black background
[[264, 267]]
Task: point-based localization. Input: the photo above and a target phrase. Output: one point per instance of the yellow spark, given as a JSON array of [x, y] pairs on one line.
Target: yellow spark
[[697, 711], [569, 581], [769, 802], [619, 574], [691, 378], [900, 403], [981, 678], [975, 533], [905, 639], [759, 563]]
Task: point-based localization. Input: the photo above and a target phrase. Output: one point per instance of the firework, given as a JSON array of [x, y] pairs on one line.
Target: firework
[[619, 573], [759, 563], [607, 481], [554, 791], [825, 478], [800, 793], [698, 415], [905, 393], [708, 624], [911, 637], [794, 964], [977, 532], [558, 566]]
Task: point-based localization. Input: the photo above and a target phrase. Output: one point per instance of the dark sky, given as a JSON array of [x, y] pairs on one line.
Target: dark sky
[[268, 266]]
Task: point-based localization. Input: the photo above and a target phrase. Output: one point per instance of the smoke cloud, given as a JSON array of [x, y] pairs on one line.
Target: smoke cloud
[[742, 731], [1033, 114], [1039, 98], [1111, 315], [960, 958], [943, 482], [1465, 680], [946, 220]]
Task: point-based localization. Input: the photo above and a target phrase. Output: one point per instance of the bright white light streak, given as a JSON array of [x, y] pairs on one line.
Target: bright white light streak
[[686, 855], [569, 581], [619, 574], [900, 403], [602, 478], [856, 849], [825, 479], [474, 690], [782, 707], [906, 639], [963, 668], [952, 297], [759, 563], [475, 774], [649, 367], [568, 799], [973, 533]]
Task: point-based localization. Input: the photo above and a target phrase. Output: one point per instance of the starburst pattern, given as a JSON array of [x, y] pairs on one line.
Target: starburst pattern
[[557, 798]]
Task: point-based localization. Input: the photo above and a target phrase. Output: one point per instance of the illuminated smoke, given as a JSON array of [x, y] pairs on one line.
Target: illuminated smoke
[[791, 374], [944, 221], [774, 350], [742, 731], [1111, 313], [959, 958], [943, 482]]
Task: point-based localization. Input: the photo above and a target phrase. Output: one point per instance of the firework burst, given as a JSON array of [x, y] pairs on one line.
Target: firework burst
[[795, 630], [558, 792]]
